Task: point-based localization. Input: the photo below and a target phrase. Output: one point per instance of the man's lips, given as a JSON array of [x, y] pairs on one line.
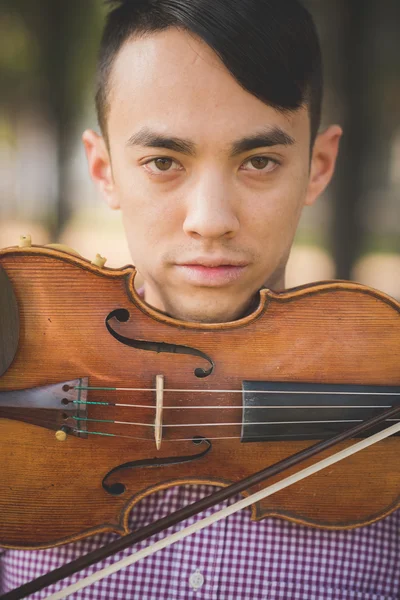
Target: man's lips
[[216, 261], [210, 276]]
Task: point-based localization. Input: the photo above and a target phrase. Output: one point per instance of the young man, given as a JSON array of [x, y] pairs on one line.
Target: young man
[[209, 113]]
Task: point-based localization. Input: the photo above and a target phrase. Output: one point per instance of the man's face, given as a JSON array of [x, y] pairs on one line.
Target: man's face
[[208, 221]]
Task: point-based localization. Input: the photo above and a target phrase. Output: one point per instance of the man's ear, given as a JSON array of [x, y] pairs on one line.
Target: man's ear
[[100, 168], [323, 162]]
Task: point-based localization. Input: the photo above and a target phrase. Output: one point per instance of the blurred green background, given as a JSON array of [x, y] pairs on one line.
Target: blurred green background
[[47, 58]]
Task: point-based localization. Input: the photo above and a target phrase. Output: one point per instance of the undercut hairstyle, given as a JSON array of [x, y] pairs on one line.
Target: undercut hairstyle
[[270, 47]]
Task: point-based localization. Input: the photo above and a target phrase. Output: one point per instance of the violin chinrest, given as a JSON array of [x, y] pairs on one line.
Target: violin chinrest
[[9, 323]]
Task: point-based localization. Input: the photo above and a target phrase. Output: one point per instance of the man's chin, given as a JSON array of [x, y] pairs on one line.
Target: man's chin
[[208, 310]]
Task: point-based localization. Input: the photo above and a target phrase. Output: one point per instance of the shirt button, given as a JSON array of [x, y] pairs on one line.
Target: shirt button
[[196, 580]]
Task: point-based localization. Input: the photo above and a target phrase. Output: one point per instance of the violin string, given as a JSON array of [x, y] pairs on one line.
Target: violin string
[[206, 391], [151, 440], [235, 406], [130, 437], [220, 407], [152, 425]]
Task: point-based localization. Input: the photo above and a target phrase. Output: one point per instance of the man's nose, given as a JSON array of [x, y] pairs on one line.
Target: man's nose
[[210, 210]]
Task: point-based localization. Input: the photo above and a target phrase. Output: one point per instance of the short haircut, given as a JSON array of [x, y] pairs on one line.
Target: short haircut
[[270, 47]]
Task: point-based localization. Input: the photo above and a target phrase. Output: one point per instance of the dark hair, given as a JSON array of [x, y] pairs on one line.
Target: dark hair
[[270, 47]]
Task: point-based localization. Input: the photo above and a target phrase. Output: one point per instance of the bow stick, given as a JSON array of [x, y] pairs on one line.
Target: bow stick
[[207, 502], [225, 512]]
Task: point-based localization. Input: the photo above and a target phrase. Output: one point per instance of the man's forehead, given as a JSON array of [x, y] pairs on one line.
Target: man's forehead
[[173, 66], [169, 49], [183, 96]]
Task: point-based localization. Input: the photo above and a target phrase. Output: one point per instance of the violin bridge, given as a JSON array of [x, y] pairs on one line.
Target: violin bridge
[[159, 410]]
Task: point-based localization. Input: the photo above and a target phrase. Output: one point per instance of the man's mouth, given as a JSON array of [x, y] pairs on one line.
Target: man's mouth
[[211, 272]]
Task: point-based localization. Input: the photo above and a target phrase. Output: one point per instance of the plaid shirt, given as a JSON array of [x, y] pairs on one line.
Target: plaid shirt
[[234, 559]]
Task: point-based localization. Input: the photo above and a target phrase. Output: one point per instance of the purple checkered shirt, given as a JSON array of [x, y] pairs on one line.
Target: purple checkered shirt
[[234, 559]]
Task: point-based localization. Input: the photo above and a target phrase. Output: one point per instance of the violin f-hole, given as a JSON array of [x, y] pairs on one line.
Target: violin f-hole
[[122, 315], [117, 489]]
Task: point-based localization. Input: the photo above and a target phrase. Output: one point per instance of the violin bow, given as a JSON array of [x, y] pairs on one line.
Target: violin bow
[[207, 502]]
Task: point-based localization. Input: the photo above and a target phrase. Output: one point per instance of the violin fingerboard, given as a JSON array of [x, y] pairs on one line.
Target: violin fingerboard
[[286, 411]]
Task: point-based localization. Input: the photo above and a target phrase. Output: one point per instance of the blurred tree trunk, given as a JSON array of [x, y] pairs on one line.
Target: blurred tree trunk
[[64, 29], [66, 33], [365, 148], [54, 29], [354, 89]]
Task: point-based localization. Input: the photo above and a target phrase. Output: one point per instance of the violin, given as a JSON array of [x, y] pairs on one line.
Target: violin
[[104, 400]]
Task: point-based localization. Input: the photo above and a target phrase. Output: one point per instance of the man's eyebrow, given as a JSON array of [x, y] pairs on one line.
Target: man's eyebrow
[[267, 138], [151, 139]]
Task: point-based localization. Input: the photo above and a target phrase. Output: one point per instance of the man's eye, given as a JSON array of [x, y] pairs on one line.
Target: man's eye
[[261, 163], [160, 165], [163, 164]]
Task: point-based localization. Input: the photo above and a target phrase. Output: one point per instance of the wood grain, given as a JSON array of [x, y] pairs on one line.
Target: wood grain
[[50, 492]]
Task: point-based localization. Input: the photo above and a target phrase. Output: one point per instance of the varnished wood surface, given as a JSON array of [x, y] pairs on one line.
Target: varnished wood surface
[[50, 492]]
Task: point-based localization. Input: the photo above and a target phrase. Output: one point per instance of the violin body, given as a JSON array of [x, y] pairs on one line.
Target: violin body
[[84, 326]]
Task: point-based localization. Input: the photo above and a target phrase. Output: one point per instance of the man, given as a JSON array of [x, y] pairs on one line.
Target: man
[[209, 113]]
